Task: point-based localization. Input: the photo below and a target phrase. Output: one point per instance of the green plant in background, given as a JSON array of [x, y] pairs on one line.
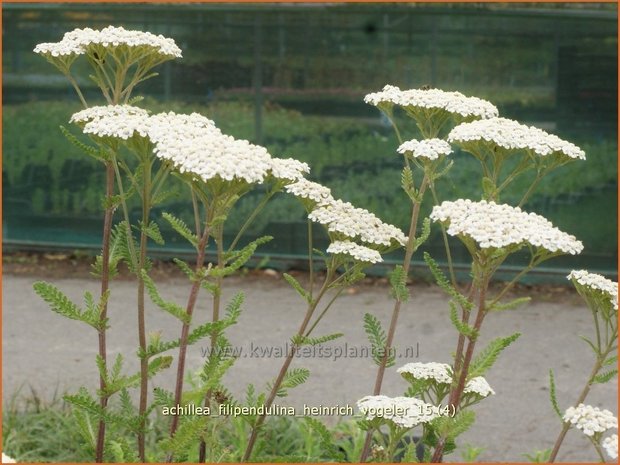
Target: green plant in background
[[147, 156]]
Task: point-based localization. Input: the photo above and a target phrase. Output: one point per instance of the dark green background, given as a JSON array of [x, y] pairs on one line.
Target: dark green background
[[293, 78]]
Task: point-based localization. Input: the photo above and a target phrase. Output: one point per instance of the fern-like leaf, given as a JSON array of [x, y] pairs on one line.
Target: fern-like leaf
[[398, 281], [181, 228], [487, 357], [553, 396], [443, 282], [378, 339], [295, 285], [173, 309]]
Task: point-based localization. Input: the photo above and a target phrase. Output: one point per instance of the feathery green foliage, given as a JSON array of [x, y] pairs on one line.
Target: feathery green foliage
[[173, 309], [181, 228], [553, 396], [443, 283], [487, 357], [378, 340], [62, 305], [398, 281], [295, 285]]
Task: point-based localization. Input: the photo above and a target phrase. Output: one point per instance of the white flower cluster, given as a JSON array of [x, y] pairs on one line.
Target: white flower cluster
[[194, 145], [498, 225], [119, 121], [309, 190], [478, 385], [342, 217], [7, 459], [288, 169], [452, 102], [358, 252], [77, 42], [442, 373], [512, 135], [598, 282], [427, 148], [610, 445], [590, 420], [439, 372], [405, 412]]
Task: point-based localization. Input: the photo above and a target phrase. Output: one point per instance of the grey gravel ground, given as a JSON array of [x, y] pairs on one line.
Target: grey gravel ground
[[49, 354]]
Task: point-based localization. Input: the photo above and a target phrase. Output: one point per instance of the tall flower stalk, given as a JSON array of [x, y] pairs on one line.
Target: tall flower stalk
[[112, 53], [432, 111], [601, 296]]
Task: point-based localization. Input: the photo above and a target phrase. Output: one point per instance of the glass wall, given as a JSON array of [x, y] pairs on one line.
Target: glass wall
[[293, 78]]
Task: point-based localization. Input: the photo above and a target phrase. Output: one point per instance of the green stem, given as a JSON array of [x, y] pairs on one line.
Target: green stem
[[529, 191], [446, 244], [219, 242], [77, 89], [250, 219], [322, 314], [310, 259]]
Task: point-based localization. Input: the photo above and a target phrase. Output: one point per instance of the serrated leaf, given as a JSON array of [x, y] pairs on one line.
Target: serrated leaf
[[377, 339], [462, 328], [152, 231], [295, 285], [187, 434], [181, 228], [185, 268], [426, 231], [606, 376], [443, 282], [487, 357], [613, 360], [325, 438], [314, 341], [89, 150], [590, 343], [552, 395], [293, 377], [155, 366], [398, 281], [173, 309], [406, 182], [62, 305], [509, 305]]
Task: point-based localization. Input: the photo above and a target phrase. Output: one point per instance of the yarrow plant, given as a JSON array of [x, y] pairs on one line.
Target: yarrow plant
[[140, 151]]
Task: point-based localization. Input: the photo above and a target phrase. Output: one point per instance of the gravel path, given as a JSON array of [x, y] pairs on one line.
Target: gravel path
[[42, 351]]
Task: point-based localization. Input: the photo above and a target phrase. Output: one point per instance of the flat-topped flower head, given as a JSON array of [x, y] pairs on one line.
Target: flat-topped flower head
[[493, 225], [405, 412], [596, 282], [430, 149], [115, 121], [451, 102], [309, 190], [437, 372], [79, 41], [358, 252], [590, 420], [478, 386], [610, 445], [288, 169], [511, 135], [193, 144], [356, 223]]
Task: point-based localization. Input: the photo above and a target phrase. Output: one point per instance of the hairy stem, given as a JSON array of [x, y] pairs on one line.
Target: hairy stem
[[105, 281], [191, 303]]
